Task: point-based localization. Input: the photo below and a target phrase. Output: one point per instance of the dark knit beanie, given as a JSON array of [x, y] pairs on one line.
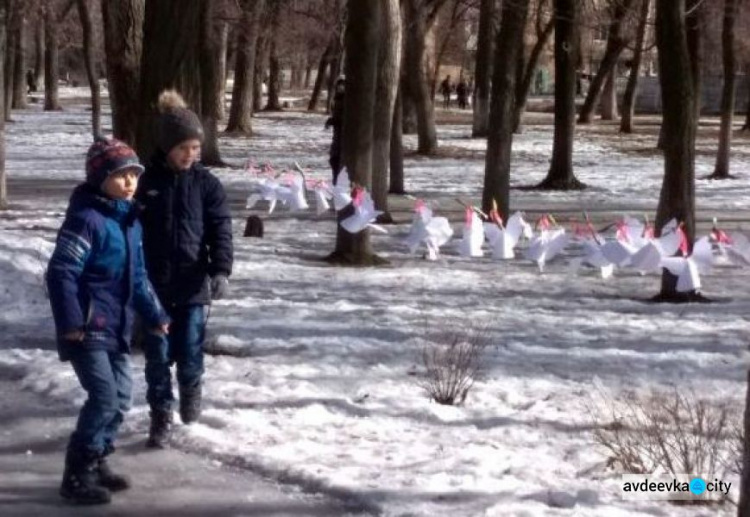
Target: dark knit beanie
[[176, 123], [107, 156]]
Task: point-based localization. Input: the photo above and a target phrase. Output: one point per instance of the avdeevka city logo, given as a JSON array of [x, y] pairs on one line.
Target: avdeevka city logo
[[679, 487]]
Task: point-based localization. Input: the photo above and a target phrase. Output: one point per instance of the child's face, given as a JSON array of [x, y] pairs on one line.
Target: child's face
[[184, 155], [122, 184]]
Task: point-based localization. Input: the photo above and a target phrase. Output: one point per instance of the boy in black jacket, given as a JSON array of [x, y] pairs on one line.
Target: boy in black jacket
[[187, 239]]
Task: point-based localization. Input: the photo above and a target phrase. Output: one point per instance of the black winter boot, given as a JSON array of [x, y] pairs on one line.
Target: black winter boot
[[161, 429], [190, 403], [109, 479], [79, 484]]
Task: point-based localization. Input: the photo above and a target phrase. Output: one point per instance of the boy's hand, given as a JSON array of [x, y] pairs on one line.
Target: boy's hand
[[74, 335], [161, 330], [219, 286]]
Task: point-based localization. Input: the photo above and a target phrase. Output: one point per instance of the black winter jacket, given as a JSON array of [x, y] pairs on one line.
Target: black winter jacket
[[187, 231]]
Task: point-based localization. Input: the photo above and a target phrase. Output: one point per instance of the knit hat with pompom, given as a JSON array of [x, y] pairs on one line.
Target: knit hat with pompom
[[176, 122]]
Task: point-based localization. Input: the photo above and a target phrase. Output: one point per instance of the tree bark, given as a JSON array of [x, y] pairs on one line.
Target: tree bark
[[677, 198], [123, 35], [325, 60], [8, 64], [616, 42], [241, 110], [212, 50], [609, 97], [259, 71], [38, 48], [694, 24], [274, 64], [561, 175], [728, 92], [88, 52], [221, 63], [419, 87], [359, 106], [743, 507], [746, 127], [397, 149], [500, 138], [19, 63], [523, 87], [3, 47], [631, 90], [483, 70], [388, 73], [166, 46], [51, 58]]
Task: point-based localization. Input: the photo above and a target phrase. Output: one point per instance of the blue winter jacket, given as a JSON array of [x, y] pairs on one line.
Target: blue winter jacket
[[96, 275], [187, 231]]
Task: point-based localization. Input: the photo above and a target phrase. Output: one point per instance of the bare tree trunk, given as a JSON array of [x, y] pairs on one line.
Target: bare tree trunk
[[418, 77], [8, 64], [19, 63], [728, 93], [694, 24], [308, 72], [483, 70], [361, 77], [241, 111], [88, 52], [677, 198], [500, 139], [259, 71], [274, 64], [38, 48], [746, 127], [325, 59], [166, 47], [212, 52], [397, 150], [3, 42], [388, 74], [609, 97], [123, 34], [223, 44], [616, 42], [628, 101], [561, 175], [51, 58], [743, 507], [524, 86]]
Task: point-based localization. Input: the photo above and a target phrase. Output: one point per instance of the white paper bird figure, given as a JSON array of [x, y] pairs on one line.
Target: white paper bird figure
[[293, 194], [322, 193], [266, 189], [688, 269], [473, 236], [432, 231], [592, 246], [649, 257], [503, 239], [342, 190], [738, 249], [364, 213], [547, 245]]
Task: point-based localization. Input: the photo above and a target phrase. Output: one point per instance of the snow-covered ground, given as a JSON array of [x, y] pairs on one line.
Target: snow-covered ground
[[324, 390]]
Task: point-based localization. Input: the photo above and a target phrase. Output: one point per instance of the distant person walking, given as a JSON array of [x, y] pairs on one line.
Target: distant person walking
[[462, 94], [336, 121], [446, 88]]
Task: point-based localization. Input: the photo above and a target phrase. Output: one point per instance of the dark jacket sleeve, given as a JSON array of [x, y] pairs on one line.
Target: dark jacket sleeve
[[218, 223], [73, 248], [145, 301]]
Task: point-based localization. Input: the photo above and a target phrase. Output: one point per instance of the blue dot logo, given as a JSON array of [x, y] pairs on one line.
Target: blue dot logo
[[697, 486]]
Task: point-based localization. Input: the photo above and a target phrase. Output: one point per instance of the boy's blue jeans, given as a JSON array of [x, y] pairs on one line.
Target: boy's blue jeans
[[107, 379], [183, 346]]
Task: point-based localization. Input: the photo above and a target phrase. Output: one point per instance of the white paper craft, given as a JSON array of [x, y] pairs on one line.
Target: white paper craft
[[503, 239], [688, 269], [547, 245], [364, 213], [433, 231], [294, 194], [267, 189], [341, 191], [592, 246], [473, 236]]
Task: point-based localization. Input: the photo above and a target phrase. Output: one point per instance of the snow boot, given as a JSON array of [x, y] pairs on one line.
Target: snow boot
[[79, 484], [109, 479], [190, 403], [161, 429]]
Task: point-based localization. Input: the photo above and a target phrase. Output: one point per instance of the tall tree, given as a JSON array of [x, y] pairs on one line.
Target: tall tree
[[359, 110], [528, 67], [483, 69], [420, 18], [396, 183], [18, 36], [677, 197], [88, 51], [241, 110], [728, 92], [123, 35], [631, 90], [8, 60], [500, 139], [617, 39], [212, 52], [3, 184], [51, 57], [388, 73], [743, 507], [560, 174], [38, 46], [274, 62], [323, 64], [166, 47]]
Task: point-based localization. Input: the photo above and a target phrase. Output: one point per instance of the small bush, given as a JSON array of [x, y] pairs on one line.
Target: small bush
[[453, 362]]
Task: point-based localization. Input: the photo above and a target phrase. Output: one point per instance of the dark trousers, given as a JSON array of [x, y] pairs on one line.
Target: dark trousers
[[107, 379], [335, 161], [183, 346]]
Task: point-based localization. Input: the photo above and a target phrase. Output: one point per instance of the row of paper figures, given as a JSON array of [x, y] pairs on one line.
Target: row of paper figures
[[633, 246]]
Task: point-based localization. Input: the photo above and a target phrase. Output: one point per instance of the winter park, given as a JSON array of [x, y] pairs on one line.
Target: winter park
[[375, 257]]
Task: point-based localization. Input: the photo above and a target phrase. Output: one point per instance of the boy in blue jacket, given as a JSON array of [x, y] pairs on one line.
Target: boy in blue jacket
[[96, 279]]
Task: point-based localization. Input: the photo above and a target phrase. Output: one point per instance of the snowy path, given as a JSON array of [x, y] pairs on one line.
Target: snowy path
[[167, 483]]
